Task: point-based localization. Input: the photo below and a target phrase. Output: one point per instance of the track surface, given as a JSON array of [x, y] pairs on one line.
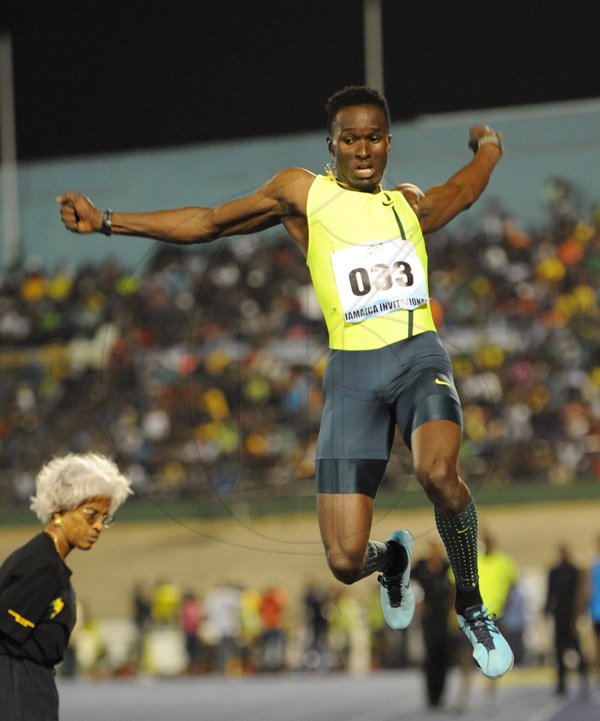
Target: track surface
[[390, 696]]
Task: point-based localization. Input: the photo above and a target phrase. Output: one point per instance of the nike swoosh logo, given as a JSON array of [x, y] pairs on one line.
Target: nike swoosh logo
[[440, 382], [463, 530]]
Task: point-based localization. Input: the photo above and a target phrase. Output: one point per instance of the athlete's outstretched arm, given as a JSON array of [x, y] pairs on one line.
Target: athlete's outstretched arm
[[443, 202], [283, 195]]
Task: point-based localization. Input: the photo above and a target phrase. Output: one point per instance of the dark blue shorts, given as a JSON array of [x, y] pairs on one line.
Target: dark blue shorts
[[367, 395]]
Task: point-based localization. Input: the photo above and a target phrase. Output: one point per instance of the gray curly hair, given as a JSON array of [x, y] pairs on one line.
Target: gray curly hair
[[68, 481]]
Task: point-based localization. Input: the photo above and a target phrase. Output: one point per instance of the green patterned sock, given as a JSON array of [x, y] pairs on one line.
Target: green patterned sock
[[459, 534]]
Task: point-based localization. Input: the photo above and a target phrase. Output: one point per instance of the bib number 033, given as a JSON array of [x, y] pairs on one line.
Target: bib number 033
[[378, 278], [382, 277]]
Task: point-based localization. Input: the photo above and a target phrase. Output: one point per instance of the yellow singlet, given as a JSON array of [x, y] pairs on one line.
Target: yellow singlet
[[368, 263]]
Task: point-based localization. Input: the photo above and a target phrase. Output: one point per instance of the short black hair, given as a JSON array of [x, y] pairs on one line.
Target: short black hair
[[354, 95]]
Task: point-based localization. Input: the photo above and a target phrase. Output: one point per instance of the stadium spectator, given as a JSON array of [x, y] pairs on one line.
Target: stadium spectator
[[435, 603], [191, 618], [594, 604], [223, 617], [273, 638], [564, 602]]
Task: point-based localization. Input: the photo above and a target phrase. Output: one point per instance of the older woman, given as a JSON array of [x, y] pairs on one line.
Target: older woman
[[76, 497]]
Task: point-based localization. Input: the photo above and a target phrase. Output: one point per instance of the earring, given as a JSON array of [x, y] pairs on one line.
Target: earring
[[58, 521]]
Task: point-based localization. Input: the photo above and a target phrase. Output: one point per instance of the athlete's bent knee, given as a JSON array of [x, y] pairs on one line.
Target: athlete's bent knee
[[346, 568]]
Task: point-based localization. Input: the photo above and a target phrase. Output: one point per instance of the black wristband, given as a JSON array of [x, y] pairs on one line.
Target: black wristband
[[106, 226]]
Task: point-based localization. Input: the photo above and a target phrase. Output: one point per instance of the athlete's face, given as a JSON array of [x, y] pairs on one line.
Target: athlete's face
[[360, 143], [82, 526]]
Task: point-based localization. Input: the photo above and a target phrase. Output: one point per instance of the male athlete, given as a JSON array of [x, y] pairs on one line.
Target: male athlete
[[367, 257]]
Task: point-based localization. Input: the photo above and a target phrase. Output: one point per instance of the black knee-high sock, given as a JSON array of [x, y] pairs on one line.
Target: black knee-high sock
[[459, 534]]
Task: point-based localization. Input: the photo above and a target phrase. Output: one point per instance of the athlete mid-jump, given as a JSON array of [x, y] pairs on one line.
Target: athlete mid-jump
[[387, 368]]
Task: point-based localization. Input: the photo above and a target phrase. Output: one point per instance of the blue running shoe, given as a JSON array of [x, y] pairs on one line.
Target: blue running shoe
[[397, 598], [491, 651]]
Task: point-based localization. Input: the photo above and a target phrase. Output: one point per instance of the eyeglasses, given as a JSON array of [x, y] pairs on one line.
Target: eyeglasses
[[93, 515]]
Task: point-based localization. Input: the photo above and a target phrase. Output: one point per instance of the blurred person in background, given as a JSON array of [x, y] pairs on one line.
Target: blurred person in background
[[437, 594], [344, 622], [76, 497], [515, 620], [387, 368], [273, 638], [165, 603], [564, 602], [594, 604], [316, 601], [498, 573], [191, 617], [141, 612], [223, 617]]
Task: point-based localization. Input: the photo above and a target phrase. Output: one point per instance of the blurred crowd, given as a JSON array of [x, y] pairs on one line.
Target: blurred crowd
[[200, 372], [230, 630]]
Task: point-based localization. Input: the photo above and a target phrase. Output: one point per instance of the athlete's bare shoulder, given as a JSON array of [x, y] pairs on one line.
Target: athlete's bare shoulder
[[291, 186]]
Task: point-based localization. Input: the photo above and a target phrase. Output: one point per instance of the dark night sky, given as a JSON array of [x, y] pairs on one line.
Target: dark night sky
[[105, 75]]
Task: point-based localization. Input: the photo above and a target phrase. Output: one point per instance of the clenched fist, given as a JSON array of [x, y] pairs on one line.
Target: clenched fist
[[79, 214], [482, 134]]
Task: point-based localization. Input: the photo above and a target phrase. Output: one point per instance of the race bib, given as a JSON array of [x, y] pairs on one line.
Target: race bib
[[379, 278]]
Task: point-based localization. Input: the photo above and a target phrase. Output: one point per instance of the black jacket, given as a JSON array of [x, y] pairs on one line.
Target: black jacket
[[37, 603]]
